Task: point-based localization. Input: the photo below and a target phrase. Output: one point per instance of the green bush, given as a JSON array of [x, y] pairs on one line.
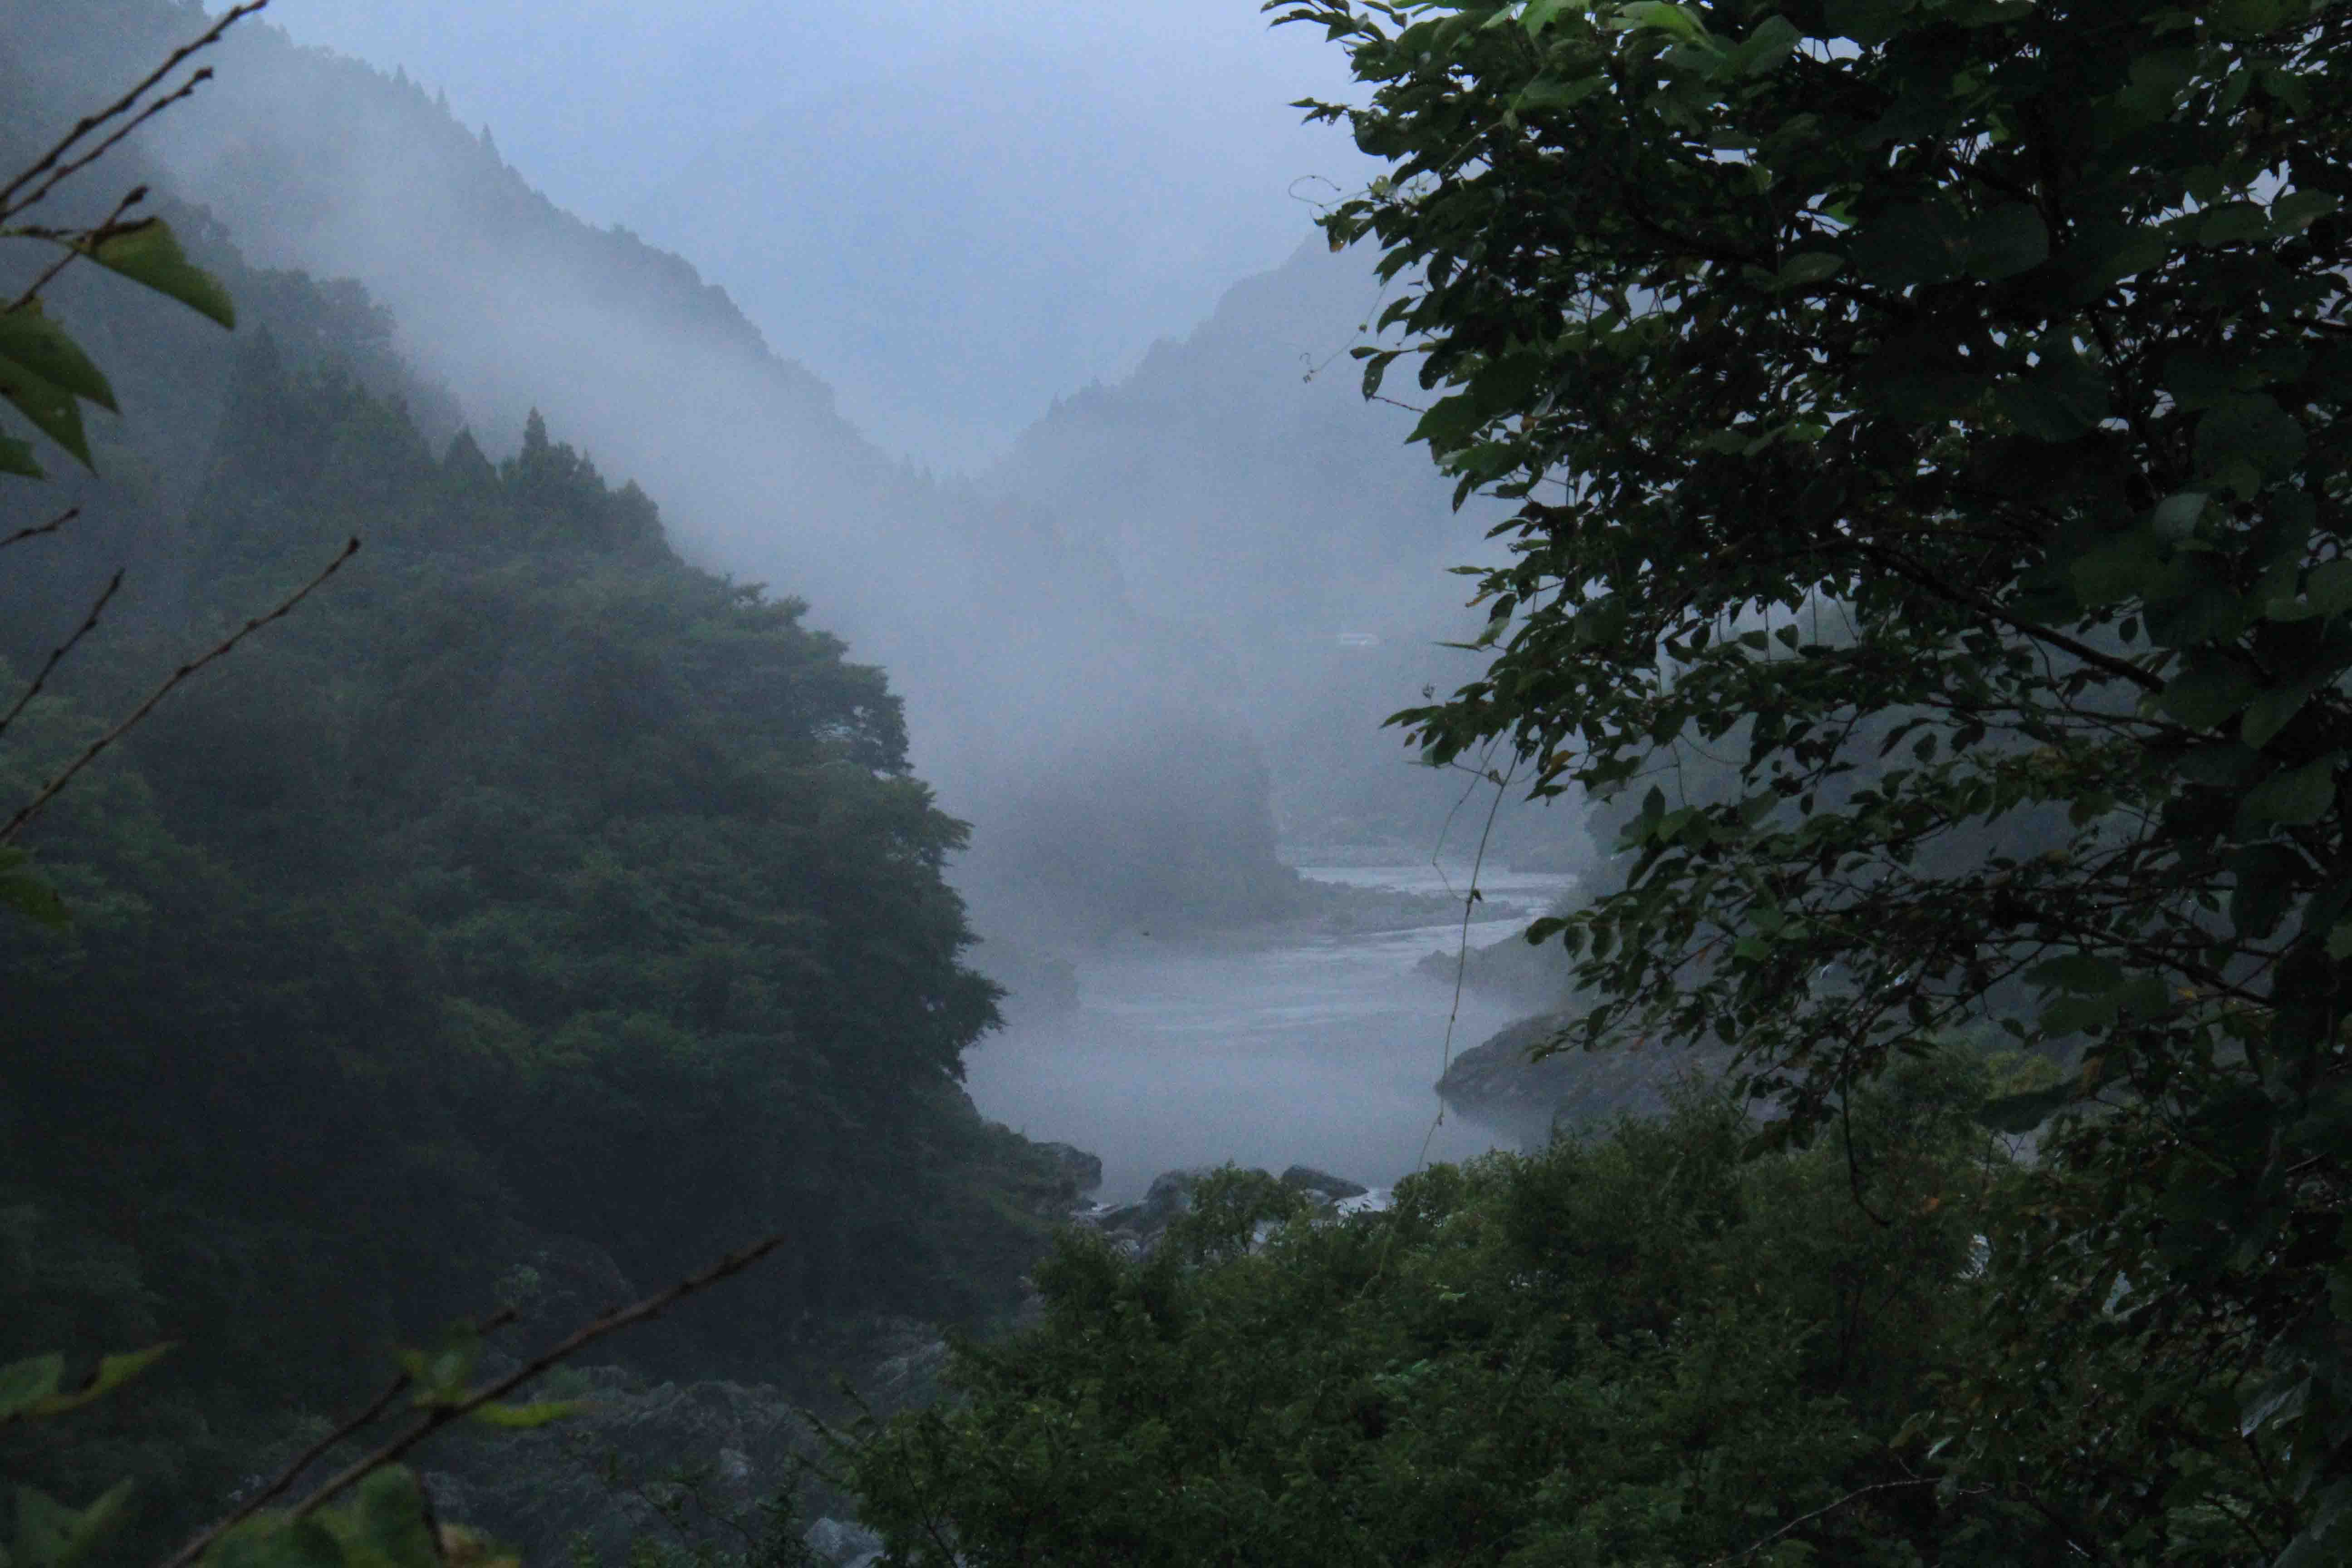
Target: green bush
[[1645, 1349]]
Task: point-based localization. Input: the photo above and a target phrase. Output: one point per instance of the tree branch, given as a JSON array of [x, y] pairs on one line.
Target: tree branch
[[34, 530], [50, 791], [73, 252], [441, 1416], [2122, 670], [67, 171], [119, 107], [1802, 1519], [58, 654], [309, 1456]]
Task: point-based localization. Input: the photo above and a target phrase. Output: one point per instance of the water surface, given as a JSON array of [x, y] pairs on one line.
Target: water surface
[[1290, 1047]]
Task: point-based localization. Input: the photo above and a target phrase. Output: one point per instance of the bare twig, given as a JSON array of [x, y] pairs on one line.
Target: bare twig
[[67, 169], [50, 791], [285, 1477], [120, 106], [441, 1416], [1757, 1545], [34, 530], [58, 654], [2123, 670], [76, 246]]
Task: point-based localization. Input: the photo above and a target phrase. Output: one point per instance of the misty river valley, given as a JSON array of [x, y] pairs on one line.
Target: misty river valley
[[1027, 784], [1299, 1046]]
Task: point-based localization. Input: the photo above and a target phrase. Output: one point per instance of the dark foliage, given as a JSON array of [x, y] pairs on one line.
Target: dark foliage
[[532, 905], [1646, 1349]]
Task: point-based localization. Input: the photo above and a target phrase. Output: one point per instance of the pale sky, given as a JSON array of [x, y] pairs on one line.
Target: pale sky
[[952, 212]]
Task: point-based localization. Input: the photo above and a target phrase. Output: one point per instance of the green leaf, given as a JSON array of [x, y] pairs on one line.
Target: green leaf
[[17, 458], [2175, 516], [2251, 18], [150, 254], [2298, 210], [1762, 51], [2233, 223], [2294, 797], [1907, 246], [1449, 422], [1807, 267], [1673, 20], [1866, 22], [2339, 940], [1542, 14], [51, 1535], [1550, 92], [388, 1519], [50, 408], [523, 1417], [2250, 429], [2209, 693], [112, 1372], [2073, 1015], [277, 1541], [2328, 586], [2271, 712], [2283, 1401], [32, 339], [2045, 412], [442, 1376], [2129, 565], [2126, 255], [2224, 765], [2266, 878], [24, 1383], [2010, 239]]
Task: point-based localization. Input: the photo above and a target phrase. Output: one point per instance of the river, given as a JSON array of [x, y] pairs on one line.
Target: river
[[1294, 1047]]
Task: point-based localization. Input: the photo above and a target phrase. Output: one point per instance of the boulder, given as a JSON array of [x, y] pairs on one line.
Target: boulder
[[900, 1365], [1171, 1193], [536, 1490], [1321, 1183]]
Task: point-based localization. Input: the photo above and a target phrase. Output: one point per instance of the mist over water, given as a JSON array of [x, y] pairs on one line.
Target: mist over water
[[1303, 1049]]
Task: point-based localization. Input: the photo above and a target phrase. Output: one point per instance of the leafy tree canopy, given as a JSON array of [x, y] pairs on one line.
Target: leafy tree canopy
[[1934, 408], [1639, 1349], [532, 917]]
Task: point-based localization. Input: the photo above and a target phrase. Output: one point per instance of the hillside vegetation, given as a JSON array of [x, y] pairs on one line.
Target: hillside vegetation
[[531, 917]]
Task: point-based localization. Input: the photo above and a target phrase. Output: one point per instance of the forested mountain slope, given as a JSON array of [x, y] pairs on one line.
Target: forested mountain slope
[[1011, 633], [1248, 492], [530, 916]]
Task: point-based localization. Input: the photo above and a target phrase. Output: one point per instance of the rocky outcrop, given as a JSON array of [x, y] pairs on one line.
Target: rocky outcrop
[[591, 1474], [1321, 1185], [1083, 1171], [599, 1473], [1496, 1084], [1136, 1227]]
